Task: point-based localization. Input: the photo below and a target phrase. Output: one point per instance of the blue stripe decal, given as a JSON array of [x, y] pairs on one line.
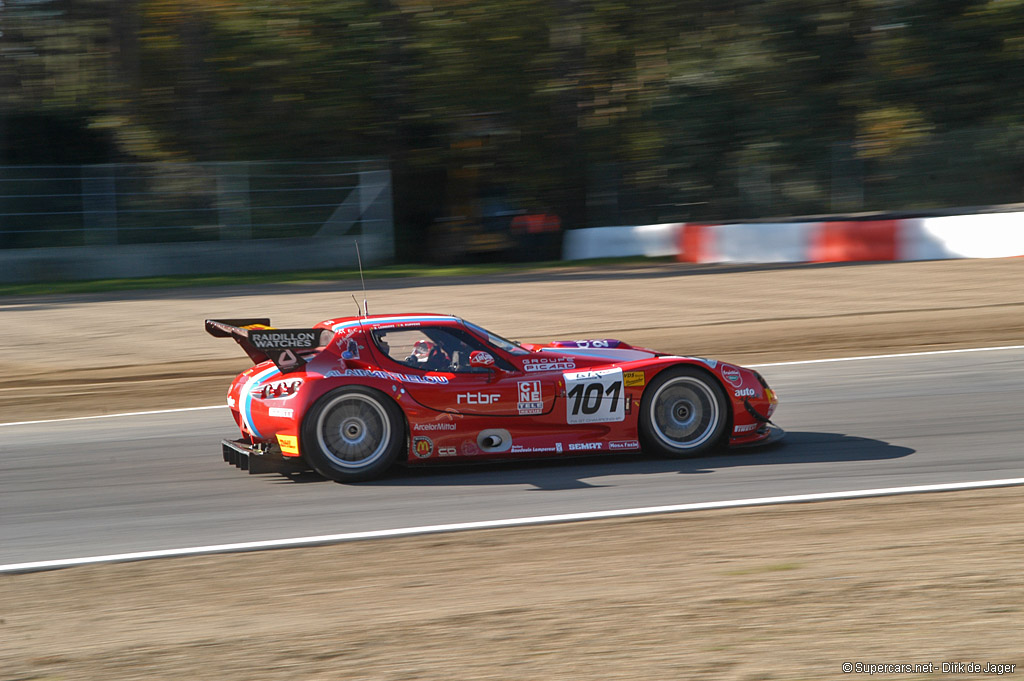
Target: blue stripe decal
[[393, 320], [247, 397]]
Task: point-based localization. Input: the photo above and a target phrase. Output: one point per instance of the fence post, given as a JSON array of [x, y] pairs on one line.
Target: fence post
[[233, 210], [99, 205]]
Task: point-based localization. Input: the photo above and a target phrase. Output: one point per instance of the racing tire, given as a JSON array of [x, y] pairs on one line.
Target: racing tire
[[353, 434], [684, 412]]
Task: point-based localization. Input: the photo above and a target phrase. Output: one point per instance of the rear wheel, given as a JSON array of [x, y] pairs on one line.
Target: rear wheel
[[684, 412], [353, 434]]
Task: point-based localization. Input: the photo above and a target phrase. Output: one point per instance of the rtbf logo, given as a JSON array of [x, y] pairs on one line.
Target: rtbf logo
[[477, 398], [529, 391]]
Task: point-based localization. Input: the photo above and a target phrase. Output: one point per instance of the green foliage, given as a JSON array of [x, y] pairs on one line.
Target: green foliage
[[603, 110]]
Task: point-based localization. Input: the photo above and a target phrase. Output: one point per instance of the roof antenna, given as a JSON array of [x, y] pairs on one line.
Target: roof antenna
[[362, 281]]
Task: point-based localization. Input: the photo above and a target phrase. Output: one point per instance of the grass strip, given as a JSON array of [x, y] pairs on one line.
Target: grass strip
[[383, 272]]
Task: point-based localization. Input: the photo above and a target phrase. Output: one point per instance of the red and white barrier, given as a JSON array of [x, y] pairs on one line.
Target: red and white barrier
[[989, 235], [615, 242]]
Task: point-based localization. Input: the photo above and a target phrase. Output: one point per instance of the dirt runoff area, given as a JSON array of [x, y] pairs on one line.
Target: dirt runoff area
[[789, 592]]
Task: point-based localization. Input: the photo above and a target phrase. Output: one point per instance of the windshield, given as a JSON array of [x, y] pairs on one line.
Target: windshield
[[497, 341]]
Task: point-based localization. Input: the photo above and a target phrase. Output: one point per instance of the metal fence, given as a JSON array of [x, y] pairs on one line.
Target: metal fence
[[163, 203]]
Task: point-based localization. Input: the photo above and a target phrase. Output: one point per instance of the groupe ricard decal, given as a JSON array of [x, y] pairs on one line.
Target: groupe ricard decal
[[549, 364]]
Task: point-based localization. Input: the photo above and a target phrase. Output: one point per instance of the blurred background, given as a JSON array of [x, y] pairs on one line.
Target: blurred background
[[475, 122]]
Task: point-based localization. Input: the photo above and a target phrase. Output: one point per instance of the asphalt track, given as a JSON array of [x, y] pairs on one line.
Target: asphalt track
[[152, 482]]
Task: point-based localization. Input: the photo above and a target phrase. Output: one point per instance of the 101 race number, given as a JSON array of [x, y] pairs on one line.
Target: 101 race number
[[594, 396]]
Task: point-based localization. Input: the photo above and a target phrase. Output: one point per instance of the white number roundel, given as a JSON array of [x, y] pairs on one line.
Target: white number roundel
[[594, 396]]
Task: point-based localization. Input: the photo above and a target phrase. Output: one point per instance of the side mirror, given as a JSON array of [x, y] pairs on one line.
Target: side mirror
[[481, 360]]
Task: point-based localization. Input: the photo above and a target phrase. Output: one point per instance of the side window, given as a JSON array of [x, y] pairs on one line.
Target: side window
[[429, 348]]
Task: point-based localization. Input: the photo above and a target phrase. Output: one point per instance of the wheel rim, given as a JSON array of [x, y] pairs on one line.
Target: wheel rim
[[353, 431], [684, 413]]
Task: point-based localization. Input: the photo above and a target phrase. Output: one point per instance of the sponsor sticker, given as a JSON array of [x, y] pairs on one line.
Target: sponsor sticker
[[351, 349], [520, 449], [422, 447], [231, 402], [745, 429], [481, 358], [278, 412], [732, 374], [531, 398], [601, 343], [403, 378], [634, 379], [477, 398], [746, 392], [624, 444], [281, 339], [447, 451], [289, 444], [549, 364], [584, 446], [433, 426], [594, 396], [469, 448]]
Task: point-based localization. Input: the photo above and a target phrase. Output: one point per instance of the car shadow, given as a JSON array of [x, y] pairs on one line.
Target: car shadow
[[798, 447]]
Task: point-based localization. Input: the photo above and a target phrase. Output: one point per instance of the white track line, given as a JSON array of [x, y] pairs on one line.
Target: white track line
[[892, 356], [494, 524], [113, 416], [752, 366]]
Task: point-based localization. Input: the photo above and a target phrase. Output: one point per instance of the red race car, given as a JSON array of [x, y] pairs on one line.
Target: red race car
[[352, 396]]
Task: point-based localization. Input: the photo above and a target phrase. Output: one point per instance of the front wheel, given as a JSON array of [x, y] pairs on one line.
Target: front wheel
[[353, 434], [683, 412]]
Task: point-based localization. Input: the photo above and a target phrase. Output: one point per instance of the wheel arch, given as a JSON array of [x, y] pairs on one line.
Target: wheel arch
[[702, 367], [707, 372], [327, 391]]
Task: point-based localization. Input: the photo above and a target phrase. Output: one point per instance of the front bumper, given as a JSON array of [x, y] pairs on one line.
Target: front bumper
[[775, 435], [243, 455]]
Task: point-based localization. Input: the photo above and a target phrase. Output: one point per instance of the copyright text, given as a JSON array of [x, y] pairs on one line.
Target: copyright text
[[929, 668]]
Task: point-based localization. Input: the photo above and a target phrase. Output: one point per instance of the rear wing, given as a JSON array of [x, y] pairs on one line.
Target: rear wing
[[262, 341]]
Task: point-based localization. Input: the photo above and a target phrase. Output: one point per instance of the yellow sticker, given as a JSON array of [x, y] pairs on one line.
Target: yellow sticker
[[289, 444], [633, 379]]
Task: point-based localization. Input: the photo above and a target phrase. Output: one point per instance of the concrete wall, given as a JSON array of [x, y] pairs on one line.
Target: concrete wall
[[157, 260]]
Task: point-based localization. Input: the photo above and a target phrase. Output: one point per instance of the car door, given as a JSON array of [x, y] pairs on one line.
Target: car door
[[451, 384]]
